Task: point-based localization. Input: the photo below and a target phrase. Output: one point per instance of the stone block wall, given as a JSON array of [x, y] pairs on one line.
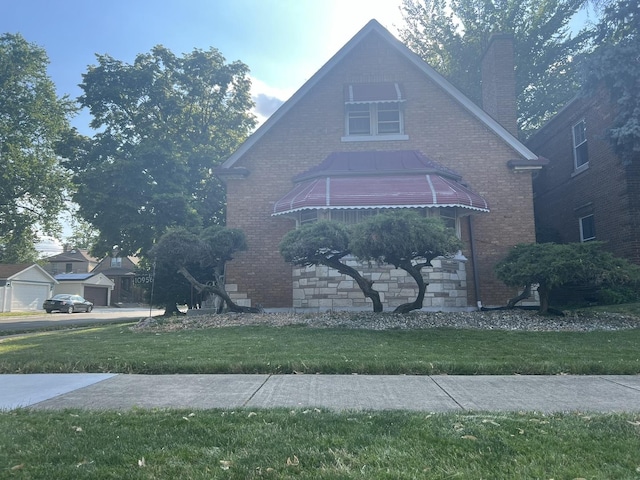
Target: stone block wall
[[322, 288]]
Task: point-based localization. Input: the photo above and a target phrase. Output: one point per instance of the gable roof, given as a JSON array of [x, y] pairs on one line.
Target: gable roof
[[74, 255], [374, 27], [8, 271]]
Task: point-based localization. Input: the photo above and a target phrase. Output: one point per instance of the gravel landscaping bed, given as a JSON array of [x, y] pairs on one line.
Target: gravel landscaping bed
[[516, 319]]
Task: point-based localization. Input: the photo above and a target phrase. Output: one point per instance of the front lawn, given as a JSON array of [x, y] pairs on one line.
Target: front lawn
[[259, 349], [315, 444]]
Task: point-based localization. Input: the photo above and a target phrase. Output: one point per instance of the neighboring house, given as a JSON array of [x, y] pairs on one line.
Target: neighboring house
[[71, 260], [374, 129], [94, 287], [586, 193], [24, 287], [121, 271]]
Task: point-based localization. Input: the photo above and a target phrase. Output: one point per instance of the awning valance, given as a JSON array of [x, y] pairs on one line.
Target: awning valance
[[373, 93], [394, 179]]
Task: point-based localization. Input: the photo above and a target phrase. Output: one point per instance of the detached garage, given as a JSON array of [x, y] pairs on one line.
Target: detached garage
[[95, 287], [23, 287]]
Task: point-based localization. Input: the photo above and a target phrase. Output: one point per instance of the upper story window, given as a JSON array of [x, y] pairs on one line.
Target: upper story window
[[116, 262], [587, 228], [373, 111], [580, 151]]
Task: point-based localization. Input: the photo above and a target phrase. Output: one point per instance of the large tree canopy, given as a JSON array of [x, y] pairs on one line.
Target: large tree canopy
[[164, 123], [184, 261], [616, 64], [451, 36], [32, 121]]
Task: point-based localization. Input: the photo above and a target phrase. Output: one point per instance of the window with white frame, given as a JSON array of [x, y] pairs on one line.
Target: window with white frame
[[374, 112], [307, 216], [580, 150], [587, 228], [449, 216], [351, 217], [374, 119]]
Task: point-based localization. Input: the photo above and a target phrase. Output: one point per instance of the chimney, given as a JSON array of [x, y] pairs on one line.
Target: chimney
[[499, 81]]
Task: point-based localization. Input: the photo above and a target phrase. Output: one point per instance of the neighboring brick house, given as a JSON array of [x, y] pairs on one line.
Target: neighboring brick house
[[586, 193], [121, 270], [377, 128], [71, 260]]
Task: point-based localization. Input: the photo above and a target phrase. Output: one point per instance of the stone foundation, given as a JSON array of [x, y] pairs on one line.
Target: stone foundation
[[322, 288]]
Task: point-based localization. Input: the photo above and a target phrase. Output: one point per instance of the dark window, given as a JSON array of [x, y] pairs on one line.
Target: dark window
[[68, 268], [587, 228], [580, 150]]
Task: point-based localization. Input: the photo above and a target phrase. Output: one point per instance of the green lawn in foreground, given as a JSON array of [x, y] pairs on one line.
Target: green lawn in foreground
[[116, 348], [314, 444]]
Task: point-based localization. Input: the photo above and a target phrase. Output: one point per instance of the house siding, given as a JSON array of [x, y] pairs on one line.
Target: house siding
[[607, 189], [435, 123]]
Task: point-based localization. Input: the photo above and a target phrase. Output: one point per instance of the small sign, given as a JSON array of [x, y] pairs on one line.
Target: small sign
[[142, 280]]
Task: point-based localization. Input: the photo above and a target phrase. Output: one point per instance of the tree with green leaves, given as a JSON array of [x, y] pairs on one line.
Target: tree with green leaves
[[184, 260], [551, 265], [32, 121], [451, 37], [615, 64], [164, 123], [326, 243], [405, 240]]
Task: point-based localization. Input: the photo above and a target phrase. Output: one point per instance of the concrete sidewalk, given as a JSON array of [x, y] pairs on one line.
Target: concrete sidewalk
[[441, 393]]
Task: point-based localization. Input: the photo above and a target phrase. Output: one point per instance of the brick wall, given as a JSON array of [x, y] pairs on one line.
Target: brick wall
[[606, 189], [435, 124], [499, 82]]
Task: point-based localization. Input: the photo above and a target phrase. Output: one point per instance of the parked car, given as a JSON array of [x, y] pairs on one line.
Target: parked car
[[64, 302]]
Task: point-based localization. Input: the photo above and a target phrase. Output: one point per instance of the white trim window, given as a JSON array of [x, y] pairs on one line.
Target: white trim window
[[587, 228], [580, 150], [374, 112]]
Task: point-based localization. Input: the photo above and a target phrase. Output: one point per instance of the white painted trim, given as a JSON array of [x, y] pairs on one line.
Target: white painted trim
[[374, 138]]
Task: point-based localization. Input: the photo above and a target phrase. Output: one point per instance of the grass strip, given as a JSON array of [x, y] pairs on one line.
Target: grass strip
[[316, 444], [255, 349]]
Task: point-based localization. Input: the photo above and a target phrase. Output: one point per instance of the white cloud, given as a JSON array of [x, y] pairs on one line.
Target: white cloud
[[267, 98], [343, 20]]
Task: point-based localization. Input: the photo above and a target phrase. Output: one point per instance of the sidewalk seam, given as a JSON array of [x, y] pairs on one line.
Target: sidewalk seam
[[619, 384], [244, 404], [447, 393]]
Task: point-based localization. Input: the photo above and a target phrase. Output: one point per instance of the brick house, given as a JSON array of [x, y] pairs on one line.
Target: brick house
[[121, 271], [377, 128], [586, 193]]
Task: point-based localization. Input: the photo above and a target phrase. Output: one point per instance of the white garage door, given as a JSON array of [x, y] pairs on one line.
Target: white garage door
[[27, 296]]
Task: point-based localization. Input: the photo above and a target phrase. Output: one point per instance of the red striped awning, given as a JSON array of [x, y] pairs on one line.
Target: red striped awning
[[397, 179]]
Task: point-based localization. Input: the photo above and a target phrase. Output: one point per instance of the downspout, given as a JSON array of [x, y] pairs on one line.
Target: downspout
[[474, 264]]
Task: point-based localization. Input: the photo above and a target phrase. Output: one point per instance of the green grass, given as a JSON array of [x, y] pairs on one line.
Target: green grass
[[315, 444], [118, 349]]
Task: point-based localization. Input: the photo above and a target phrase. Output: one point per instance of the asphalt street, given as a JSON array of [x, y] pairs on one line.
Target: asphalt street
[[98, 315]]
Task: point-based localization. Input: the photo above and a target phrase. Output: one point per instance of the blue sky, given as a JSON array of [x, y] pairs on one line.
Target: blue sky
[[282, 41]]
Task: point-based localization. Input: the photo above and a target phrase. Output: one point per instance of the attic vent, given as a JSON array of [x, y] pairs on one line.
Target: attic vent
[[373, 93]]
